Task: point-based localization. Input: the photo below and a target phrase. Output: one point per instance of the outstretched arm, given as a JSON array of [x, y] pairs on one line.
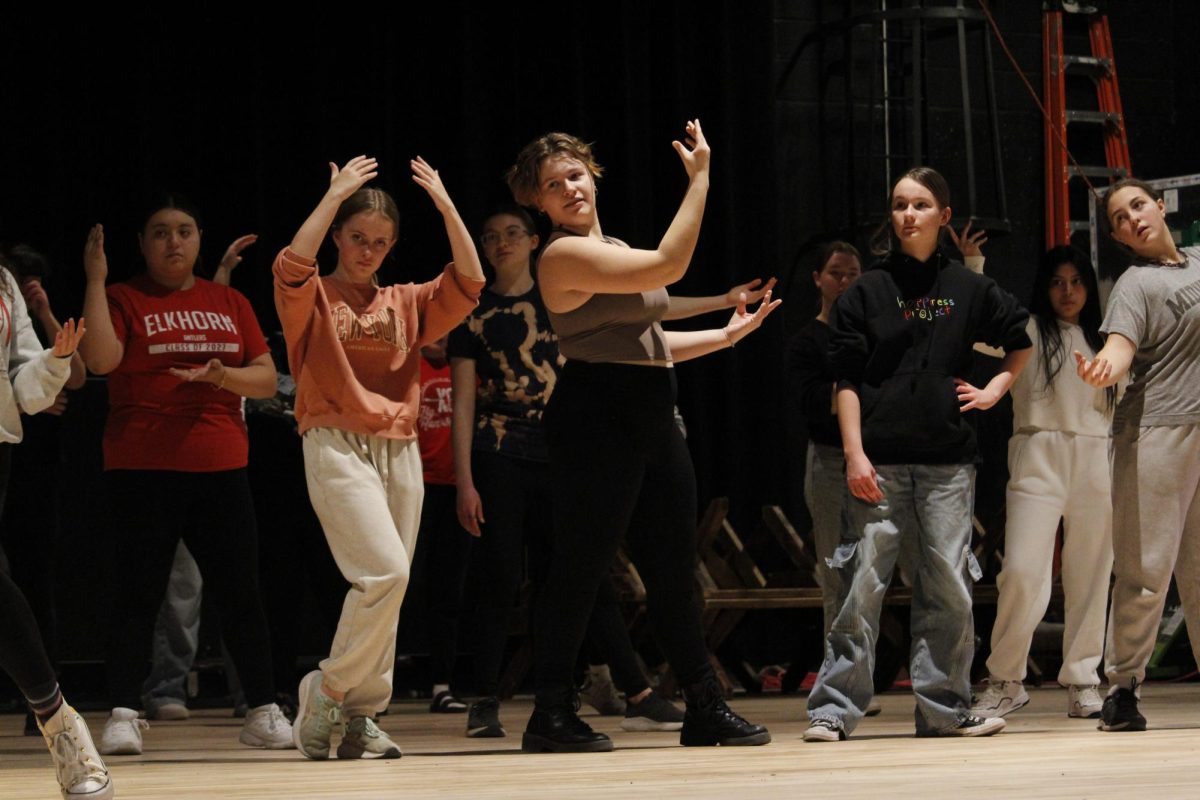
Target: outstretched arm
[[462, 248], [584, 266], [684, 307], [102, 351], [686, 345], [1110, 364], [38, 303]]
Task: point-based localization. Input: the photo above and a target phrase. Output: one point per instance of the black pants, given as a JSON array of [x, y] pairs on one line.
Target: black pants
[[518, 504], [214, 515], [22, 654], [440, 571], [619, 466]]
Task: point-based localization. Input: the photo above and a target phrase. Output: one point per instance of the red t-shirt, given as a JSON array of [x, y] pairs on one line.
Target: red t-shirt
[[433, 424], [155, 420]]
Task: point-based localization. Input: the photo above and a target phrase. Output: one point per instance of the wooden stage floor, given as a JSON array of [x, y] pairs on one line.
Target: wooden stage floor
[[1041, 754]]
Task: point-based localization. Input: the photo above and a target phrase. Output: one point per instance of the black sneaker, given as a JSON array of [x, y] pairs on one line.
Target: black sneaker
[[446, 703], [560, 730], [970, 725], [483, 721], [654, 713], [1120, 712]]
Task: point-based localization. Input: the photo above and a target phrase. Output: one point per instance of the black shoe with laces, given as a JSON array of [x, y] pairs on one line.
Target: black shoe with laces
[[559, 729], [1120, 712], [710, 721], [483, 720]]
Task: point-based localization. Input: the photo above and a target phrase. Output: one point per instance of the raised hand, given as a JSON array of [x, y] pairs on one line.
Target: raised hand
[[36, 299], [233, 253], [743, 323], [350, 178], [213, 372], [428, 179], [970, 397], [66, 341], [95, 263], [1095, 372], [748, 292], [969, 244], [695, 154]]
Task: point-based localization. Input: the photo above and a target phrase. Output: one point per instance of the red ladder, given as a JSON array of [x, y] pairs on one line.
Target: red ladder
[[1102, 69]]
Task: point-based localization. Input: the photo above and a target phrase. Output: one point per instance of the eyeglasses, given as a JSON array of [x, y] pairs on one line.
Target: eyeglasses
[[511, 235]]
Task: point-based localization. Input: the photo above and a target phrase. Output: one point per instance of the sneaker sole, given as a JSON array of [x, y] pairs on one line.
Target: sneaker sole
[[532, 743], [825, 736], [740, 741], [1132, 726], [976, 731], [301, 707], [487, 732], [991, 713], [1091, 715], [122, 750], [348, 751], [647, 725], [268, 744]]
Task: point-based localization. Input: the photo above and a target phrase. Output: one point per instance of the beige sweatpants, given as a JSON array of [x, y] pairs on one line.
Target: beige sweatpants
[[367, 492]]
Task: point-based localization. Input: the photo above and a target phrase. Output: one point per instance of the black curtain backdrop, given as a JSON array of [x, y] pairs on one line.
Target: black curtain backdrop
[[241, 112]]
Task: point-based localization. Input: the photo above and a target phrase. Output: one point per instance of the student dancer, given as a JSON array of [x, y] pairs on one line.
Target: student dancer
[[902, 334], [507, 349], [181, 353], [1152, 331], [618, 462], [33, 378], [353, 347], [1058, 468]]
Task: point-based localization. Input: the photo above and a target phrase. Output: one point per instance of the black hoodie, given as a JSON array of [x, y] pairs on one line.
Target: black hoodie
[[901, 334]]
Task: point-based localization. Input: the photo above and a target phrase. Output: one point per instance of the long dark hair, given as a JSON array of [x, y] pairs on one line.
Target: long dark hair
[[1050, 339]]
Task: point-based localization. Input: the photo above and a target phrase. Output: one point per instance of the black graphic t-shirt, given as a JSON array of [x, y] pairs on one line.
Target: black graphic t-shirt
[[517, 365]]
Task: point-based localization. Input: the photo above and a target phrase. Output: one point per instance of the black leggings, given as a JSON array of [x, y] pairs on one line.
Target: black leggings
[[619, 466], [517, 506], [22, 654], [214, 515], [440, 568]]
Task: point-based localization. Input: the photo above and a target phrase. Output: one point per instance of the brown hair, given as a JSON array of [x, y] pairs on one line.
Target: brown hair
[[368, 199], [1127, 183], [523, 177], [512, 210], [931, 179], [835, 247]]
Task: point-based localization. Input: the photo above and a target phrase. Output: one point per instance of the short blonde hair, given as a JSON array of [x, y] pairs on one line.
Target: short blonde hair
[[523, 177]]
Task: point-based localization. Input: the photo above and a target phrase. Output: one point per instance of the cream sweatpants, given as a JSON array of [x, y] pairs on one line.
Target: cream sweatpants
[[1051, 475], [367, 492]]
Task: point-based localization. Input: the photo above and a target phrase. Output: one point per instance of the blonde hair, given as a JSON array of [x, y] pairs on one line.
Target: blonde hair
[[523, 177]]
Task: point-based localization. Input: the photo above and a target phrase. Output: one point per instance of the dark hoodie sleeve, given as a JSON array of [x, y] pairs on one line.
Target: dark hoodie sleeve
[[809, 377], [1003, 321], [848, 344]]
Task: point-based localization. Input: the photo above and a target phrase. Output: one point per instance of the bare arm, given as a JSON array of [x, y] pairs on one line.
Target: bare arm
[[102, 351], [462, 431], [686, 345], [342, 184], [860, 473], [575, 268], [462, 247], [684, 307], [969, 397], [38, 304], [1110, 365], [232, 257], [256, 380]]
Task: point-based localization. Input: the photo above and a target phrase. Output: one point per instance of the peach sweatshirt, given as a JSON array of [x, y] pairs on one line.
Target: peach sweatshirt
[[354, 350]]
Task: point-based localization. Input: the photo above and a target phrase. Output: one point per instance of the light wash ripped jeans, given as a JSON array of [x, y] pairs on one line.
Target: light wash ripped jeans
[[931, 503]]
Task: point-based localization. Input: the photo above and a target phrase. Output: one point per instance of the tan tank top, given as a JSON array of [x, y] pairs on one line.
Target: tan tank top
[[613, 327]]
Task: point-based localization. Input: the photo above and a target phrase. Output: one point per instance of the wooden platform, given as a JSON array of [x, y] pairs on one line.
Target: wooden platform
[[1042, 754]]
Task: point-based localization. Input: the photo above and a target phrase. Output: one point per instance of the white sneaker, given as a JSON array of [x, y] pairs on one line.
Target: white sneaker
[[122, 735], [81, 772], [824, 730], [999, 699], [317, 715], [1084, 702], [171, 710], [267, 727]]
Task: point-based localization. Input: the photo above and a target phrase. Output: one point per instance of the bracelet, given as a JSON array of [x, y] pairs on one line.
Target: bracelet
[[221, 385], [728, 338]]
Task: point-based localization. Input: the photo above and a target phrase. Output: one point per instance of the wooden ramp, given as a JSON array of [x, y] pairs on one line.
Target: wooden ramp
[[1042, 754]]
